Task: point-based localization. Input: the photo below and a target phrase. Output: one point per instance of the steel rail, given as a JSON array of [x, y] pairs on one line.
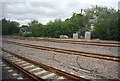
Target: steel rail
[[72, 52], [31, 76], [48, 68], [106, 44], [64, 40]]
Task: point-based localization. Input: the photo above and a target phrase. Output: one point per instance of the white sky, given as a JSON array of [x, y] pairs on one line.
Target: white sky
[[46, 10]]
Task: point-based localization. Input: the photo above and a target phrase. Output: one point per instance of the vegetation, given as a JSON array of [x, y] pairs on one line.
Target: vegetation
[[106, 26], [9, 27], [59, 27], [106, 21]]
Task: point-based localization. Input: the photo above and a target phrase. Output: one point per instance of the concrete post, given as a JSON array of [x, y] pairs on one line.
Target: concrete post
[[87, 35], [75, 35]]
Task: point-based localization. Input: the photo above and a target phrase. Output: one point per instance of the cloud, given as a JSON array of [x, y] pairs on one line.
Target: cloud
[[44, 11]]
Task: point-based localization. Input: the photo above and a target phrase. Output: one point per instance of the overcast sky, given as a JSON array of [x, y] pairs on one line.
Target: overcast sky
[[24, 11]]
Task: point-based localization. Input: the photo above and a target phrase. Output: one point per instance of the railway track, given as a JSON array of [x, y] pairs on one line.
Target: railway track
[[71, 52], [106, 44], [37, 71], [11, 73]]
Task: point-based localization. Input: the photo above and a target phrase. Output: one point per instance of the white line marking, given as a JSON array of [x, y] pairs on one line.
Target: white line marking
[[82, 76], [71, 73], [10, 70], [29, 66], [14, 74], [15, 60], [24, 64], [19, 78], [61, 78], [3, 65], [47, 76], [63, 70], [7, 67], [38, 73], [35, 69], [19, 62]]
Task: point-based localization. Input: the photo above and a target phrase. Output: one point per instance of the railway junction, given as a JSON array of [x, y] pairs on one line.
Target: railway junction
[[60, 40], [44, 59]]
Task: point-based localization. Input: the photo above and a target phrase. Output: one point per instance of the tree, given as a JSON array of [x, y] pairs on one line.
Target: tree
[[58, 27], [33, 22], [24, 26], [106, 25], [9, 27]]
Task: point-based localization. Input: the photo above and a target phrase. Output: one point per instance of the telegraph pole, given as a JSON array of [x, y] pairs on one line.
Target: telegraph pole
[[81, 23], [81, 11]]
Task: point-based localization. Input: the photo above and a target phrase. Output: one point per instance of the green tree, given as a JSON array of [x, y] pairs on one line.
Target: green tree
[[9, 27], [33, 22], [24, 26], [106, 25]]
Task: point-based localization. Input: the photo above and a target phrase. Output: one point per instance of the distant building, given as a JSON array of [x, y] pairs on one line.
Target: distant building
[[24, 30]]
